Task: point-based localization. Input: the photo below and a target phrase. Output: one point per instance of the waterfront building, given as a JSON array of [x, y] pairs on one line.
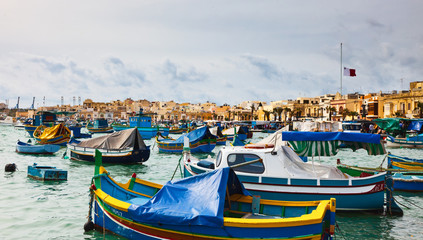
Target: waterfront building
[[403, 103]]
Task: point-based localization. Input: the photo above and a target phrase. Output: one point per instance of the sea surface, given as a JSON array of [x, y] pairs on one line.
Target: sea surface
[[31, 209]]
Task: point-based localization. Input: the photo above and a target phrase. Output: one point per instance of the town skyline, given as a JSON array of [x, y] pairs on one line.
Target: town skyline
[[328, 107]]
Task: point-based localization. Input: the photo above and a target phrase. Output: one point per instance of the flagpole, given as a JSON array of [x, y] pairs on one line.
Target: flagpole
[[341, 69]]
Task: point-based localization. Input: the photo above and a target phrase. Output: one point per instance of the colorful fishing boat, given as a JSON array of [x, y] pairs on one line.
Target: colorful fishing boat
[[404, 179], [99, 126], [220, 138], [237, 130], [200, 140], [410, 142], [398, 162], [22, 147], [177, 130], [47, 173], [278, 173], [57, 135], [143, 123], [42, 118], [215, 206], [123, 147]]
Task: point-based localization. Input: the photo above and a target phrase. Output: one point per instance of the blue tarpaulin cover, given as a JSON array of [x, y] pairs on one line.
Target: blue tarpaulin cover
[[331, 136], [415, 125], [192, 136], [197, 200]]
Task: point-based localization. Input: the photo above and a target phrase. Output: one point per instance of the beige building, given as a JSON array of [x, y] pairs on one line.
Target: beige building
[[403, 103]]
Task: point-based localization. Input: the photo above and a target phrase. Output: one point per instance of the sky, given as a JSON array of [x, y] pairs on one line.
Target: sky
[[197, 51]]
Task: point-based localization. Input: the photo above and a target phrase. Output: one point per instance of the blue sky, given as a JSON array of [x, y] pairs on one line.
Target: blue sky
[[198, 51]]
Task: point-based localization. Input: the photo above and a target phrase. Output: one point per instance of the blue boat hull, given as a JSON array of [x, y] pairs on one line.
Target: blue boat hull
[[36, 149], [146, 133], [47, 173]]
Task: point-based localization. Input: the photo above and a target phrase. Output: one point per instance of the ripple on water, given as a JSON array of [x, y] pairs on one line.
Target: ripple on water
[[47, 210]]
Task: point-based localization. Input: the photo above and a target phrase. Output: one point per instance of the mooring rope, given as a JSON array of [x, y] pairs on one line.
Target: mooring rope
[[339, 230], [178, 166], [408, 201]]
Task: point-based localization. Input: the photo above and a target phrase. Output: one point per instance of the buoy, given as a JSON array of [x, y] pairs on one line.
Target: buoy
[[88, 226], [10, 167]]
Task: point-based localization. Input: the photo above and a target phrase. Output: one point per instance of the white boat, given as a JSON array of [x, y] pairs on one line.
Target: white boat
[[412, 142], [7, 121], [278, 173], [19, 125]]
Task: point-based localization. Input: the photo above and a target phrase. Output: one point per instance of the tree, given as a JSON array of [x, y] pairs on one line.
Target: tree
[[352, 114], [420, 107], [345, 112], [399, 114], [266, 115], [252, 110], [286, 110], [330, 110], [279, 110]]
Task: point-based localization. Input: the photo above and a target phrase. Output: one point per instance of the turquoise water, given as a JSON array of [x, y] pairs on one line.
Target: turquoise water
[[31, 209]]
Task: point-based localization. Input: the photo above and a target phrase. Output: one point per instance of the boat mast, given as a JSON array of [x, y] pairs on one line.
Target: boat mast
[[341, 69]]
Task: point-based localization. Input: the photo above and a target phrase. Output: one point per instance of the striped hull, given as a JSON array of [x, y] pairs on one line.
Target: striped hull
[[221, 141], [241, 137], [128, 157], [146, 133], [349, 194], [201, 146], [404, 144], [114, 220], [30, 129], [60, 140], [100, 130]]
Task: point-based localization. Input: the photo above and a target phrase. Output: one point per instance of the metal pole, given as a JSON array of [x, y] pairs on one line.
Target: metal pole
[[341, 69]]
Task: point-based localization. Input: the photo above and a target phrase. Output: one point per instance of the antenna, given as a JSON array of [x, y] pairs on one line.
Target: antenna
[[61, 100]]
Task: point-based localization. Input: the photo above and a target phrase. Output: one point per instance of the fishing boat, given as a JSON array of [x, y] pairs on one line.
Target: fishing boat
[[22, 147], [237, 130], [278, 173], [398, 162], [99, 126], [411, 142], [47, 173], [200, 140], [143, 122], [123, 147], [177, 130], [220, 138], [8, 121], [214, 206], [42, 118], [404, 179], [57, 135]]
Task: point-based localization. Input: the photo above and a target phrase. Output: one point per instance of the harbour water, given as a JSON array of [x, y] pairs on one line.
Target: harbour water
[[31, 209]]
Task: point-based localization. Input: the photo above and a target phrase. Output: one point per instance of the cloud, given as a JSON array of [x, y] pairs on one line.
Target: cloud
[[267, 69], [52, 67], [177, 73]]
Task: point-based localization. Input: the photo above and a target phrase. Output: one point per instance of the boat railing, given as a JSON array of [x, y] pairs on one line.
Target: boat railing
[[87, 149]]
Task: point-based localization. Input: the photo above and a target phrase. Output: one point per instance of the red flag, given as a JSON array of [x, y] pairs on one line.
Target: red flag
[[349, 72]]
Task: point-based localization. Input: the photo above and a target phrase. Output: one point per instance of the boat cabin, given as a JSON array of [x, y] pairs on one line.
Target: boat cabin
[[140, 120]]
